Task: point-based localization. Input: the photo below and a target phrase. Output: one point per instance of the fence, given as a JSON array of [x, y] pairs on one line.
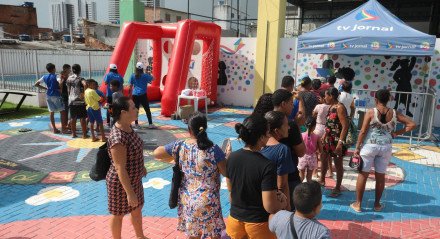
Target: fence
[[19, 69], [422, 107]]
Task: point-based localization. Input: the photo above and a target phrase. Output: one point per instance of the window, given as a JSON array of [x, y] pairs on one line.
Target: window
[[167, 17], [232, 15], [178, 18], [106, 33]]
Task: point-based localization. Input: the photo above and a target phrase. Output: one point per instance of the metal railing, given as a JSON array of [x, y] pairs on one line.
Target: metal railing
[[19, 69], [422, 109]]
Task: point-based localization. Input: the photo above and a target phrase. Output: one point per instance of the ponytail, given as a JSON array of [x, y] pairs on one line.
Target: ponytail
[[253, 128], [203, 142], [198, 124]]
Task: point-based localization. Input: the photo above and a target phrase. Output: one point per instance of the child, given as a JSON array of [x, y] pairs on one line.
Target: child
[[77, 106], [114, 87], [53, 95], [93, 109], [302, 223], [320, 113], [312, 143], [65, 125]]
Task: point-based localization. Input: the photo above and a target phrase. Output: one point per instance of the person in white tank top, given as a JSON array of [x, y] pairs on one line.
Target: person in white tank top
[[377, 134]]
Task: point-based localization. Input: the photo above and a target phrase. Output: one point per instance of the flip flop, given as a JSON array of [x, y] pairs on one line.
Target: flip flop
[[335, 193], [379, 209], [354, 208]]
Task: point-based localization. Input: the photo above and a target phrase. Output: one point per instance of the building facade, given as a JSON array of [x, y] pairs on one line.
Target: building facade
[[91, 10], [113, 11], [153, 3], [69, 12], [16, 20], [163, 14], [229, 19]]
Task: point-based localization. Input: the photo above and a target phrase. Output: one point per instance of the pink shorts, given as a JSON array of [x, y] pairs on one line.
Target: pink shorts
[[319, 130], [308, 161]]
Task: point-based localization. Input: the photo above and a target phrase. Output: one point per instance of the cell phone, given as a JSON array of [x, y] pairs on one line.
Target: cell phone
[[225, 144]]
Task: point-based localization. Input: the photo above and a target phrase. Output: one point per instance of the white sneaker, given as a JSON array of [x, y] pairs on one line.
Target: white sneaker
[[152, 126]]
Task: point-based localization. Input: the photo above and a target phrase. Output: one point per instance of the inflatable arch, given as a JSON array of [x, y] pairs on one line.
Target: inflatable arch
[[185, 33]]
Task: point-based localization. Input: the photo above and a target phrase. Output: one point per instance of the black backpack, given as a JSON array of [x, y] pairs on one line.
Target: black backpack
[[100, 168]]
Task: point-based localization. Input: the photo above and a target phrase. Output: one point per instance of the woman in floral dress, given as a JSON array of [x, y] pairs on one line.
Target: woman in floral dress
[[336, 129], [202, 162]]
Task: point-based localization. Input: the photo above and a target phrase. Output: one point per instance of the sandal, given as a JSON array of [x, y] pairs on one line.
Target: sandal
[[355, 208], [335, 193], [379, 209]]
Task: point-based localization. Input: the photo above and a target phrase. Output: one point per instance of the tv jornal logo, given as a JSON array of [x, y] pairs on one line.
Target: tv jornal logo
[[366, 15]]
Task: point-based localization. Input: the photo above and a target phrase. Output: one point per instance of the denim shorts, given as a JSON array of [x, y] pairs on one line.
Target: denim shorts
[[94, 115], [54, 103], [377, 155]]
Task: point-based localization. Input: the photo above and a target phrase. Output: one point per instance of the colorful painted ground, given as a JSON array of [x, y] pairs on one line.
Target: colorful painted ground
[[46, 192]]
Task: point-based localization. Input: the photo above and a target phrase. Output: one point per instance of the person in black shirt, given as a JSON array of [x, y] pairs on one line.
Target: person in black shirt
[[282, 101], [252, 183]]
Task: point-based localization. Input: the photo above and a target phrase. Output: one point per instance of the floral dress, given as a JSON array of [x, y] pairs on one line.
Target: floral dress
[[333, 129], [199, 209]]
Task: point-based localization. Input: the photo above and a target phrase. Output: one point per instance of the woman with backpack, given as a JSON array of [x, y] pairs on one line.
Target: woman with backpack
[[124, 177]]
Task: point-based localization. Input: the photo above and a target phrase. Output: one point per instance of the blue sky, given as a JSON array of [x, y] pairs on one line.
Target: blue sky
[[202, 7]]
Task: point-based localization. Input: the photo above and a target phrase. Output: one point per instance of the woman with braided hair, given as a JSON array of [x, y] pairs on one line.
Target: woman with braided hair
[[201, 161]]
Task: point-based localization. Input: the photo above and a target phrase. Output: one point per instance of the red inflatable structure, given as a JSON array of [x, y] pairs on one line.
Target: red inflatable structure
[[184, 33]]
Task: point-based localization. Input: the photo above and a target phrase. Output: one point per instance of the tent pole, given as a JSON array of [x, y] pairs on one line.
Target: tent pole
[[296, 61]]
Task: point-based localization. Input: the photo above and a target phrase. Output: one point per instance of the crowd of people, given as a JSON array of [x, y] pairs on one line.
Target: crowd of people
[[75, 97], [293, 136]]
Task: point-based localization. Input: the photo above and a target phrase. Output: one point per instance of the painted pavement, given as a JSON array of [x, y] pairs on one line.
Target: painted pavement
[[46, 192]]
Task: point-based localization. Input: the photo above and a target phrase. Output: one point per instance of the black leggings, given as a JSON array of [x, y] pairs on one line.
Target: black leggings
[[143, 100]]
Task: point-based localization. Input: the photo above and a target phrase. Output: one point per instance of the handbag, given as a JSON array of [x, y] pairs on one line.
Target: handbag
[[100, 168], [175, 181], [356, 163]]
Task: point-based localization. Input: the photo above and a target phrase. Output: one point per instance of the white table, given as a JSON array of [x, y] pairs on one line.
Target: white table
[[195, 99]]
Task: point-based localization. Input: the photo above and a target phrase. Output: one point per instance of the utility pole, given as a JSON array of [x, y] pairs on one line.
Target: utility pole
[[71, 34], [245, 21], [154, 10], [212, 11], [238, 18], [187, 11]]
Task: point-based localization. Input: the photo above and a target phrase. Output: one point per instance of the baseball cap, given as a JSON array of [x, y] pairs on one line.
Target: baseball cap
[[139, 65], [113, 66]]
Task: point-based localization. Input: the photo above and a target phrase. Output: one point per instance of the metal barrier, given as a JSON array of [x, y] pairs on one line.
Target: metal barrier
[[19, 69], [423, 105]]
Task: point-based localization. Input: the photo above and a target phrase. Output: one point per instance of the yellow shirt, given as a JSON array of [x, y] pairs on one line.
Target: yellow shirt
[[92, 99]]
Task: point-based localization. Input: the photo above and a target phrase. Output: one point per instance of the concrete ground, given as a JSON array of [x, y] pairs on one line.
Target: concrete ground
[[46, 192]]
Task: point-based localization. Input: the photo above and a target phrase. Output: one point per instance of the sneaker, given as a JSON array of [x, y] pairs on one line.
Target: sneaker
[[152, 126], [136, 126]]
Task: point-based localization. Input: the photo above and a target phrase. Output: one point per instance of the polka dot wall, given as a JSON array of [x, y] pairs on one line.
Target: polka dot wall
[[240, 71], [373, 72], [287, 61]]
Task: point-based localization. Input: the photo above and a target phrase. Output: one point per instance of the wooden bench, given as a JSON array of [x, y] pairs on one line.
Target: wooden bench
[[23, 96]]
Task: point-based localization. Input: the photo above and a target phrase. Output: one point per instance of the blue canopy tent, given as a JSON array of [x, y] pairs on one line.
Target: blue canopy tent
[[369, 29]]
